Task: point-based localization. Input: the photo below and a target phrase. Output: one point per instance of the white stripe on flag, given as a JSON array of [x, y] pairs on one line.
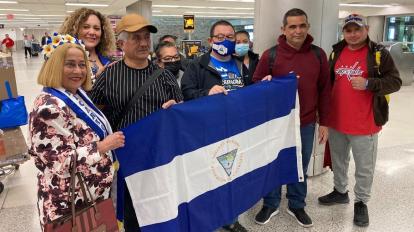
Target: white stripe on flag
[[156, 193]]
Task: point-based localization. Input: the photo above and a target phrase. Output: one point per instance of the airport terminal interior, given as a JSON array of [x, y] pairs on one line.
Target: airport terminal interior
[[391, 208]]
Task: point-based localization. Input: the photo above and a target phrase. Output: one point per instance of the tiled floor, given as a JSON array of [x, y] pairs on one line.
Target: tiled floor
[[391, 207]]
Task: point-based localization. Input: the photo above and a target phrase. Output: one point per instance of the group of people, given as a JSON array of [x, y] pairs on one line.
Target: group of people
[[28, 41], [345, 96]]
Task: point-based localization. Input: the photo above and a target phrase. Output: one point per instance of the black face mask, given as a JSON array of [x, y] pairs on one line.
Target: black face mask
[[173, 67]]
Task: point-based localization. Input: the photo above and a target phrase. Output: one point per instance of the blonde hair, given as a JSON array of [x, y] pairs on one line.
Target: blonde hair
[[73, 23], [51, 74]]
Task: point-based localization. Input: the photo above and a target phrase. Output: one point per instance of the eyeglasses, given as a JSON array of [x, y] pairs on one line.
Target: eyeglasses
[[72, 65], [171, 58], [221, 37]]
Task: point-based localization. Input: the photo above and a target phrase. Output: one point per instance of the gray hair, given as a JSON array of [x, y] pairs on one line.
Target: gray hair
[[123, 36]]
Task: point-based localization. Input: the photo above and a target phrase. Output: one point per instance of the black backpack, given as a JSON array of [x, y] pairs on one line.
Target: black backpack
[[272, 55]]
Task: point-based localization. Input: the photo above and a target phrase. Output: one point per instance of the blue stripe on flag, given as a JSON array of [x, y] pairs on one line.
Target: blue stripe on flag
[[197, 215], [203, 126]]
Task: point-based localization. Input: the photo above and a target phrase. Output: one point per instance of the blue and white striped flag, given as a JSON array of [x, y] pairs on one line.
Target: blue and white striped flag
[[198, 165]]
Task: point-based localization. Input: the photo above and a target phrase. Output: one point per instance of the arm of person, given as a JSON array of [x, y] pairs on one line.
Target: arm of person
[[97, 94], [174, 93], [262, 69], [390, 81], [190, 86], [323, 134], [54, 139], [324, 91]]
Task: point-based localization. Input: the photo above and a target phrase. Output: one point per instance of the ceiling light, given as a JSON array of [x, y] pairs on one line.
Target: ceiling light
[[176, 6], [15, 9], [242, 13], [156, 11], [168, 15], [225, 16], [204, 7], [9, 2], [50, 15], [230, 0], [364, 5], [20, 14], [86, 4], [208, 16]]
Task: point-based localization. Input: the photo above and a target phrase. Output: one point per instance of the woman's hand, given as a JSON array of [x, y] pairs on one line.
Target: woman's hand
[[111, 142]]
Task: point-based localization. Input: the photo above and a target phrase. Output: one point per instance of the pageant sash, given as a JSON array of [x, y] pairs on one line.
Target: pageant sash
[[84, 109]]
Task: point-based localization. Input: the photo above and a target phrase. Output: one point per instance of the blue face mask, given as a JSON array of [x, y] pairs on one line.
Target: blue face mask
[[224, 48], [242, 49]]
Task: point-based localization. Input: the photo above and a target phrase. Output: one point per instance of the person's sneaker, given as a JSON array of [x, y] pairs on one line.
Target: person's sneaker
[[235, 227], [334, 197], [361, 217], [265, 214], [301, 216]]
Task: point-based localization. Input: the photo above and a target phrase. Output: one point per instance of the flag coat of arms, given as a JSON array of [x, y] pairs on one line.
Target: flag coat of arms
[[197, 165]]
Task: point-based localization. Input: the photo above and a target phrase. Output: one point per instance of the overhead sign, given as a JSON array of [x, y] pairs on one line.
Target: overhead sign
[[189, 24], [191, 48]]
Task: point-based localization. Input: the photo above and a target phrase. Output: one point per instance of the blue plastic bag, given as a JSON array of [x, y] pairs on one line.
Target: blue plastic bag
[[13, 111]]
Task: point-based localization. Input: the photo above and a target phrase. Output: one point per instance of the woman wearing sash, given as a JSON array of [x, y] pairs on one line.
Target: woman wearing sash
[[95, 31], [64, 122]]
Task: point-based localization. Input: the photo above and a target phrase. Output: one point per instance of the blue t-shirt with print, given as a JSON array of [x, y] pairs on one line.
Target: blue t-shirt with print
[[230, 75]]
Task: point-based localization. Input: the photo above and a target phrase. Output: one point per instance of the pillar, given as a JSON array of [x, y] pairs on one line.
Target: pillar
[[322, 16]]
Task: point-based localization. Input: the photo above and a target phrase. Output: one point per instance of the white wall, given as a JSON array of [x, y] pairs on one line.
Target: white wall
[[376, 28]]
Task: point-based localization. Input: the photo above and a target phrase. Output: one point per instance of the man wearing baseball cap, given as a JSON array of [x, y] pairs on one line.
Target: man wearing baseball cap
[[362, 74], [121, 86]]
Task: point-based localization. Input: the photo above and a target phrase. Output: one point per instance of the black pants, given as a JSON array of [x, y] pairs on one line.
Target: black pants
[[27, 49], [130, 218]]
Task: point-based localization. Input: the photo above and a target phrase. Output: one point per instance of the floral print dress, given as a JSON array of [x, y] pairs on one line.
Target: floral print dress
[[56, 133]]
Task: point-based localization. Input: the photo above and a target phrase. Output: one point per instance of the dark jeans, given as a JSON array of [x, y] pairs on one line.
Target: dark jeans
[[130, 218], [27, 49], [296, 193]]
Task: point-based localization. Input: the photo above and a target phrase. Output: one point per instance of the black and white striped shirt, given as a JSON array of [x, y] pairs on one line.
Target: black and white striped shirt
[[117, 85]]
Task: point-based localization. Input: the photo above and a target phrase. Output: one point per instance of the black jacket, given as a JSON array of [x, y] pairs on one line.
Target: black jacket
[[382, 80], [200, 76], [254, 60]]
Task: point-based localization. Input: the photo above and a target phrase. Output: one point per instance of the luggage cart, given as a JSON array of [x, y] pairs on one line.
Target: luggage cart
[[10, 165], [36, 49]]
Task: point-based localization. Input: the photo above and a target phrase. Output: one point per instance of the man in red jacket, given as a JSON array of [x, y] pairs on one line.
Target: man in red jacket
[[9, 43], [295, 53]]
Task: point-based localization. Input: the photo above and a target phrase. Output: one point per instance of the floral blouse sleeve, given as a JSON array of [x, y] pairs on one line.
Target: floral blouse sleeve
[[56, 133]]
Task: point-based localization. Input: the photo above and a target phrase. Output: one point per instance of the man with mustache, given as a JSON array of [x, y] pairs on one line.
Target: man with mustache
[[296, 53], [118, 84]]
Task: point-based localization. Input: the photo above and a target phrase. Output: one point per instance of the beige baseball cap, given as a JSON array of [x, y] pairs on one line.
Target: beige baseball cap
[[133, 22]]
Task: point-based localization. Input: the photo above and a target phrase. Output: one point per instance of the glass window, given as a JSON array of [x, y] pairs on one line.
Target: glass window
[[400, 29]]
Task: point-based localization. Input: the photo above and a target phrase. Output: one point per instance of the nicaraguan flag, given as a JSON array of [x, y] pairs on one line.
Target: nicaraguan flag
[[198, 165]]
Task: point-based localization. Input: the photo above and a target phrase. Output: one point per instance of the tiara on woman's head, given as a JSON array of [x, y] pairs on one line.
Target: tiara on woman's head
[[57, 40]]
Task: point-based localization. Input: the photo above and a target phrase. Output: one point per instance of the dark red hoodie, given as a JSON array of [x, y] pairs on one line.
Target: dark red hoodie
[[314, 83]]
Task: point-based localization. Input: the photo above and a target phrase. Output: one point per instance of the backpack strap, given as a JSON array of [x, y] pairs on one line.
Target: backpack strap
[[317, 52], [377, 54], [272, 57], [139, 93]]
